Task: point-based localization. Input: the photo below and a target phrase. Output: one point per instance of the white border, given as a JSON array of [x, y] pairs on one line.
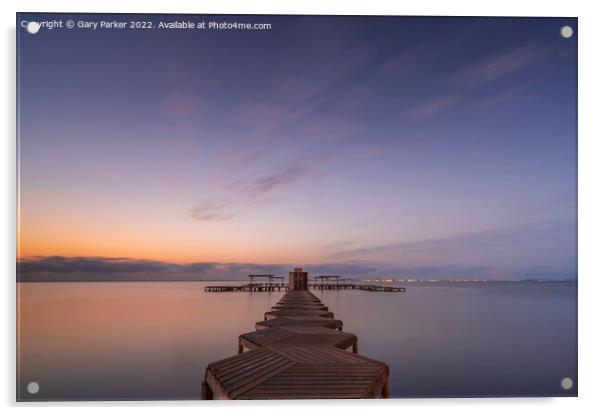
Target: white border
[[590, 200]]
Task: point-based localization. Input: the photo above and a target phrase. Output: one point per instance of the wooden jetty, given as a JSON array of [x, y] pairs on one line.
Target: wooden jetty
[[256, 287], [266, 287], [298, 351]]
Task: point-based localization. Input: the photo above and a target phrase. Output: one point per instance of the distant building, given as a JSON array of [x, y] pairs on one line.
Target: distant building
[[297, 280]]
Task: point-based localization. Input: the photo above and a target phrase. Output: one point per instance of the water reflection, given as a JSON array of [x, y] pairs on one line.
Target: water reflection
[[153, 340]]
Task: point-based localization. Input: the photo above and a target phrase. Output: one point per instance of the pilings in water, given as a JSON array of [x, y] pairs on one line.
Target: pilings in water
[[266, 287], [257, 287], [381, 288], [297, 352]]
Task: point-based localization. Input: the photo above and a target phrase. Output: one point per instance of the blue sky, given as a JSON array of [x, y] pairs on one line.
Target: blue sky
[[379, 146]]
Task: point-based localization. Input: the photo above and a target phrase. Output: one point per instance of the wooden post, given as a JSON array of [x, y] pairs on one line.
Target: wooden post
[[385, 390], [206, 392]]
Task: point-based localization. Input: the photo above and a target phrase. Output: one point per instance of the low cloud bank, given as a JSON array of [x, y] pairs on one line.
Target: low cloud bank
[[60, 268]]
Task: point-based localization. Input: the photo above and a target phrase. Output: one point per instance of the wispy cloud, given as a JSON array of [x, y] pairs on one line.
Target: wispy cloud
[[287, 176], [490, 238], [211, 211], [498, 66], [518, 94], [284, 127], [409, 61], [265, 118], [428, 109], [551, 209], [476, 75], [306, 109], [257, 188], [547, 243], [339, 246], [182, 104]]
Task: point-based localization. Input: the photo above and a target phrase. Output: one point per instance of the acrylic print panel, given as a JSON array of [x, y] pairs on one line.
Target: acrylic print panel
[[288, 207]]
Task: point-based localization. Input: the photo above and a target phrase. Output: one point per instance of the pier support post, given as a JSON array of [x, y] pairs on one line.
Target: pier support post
[[206, 392], [385, 389]]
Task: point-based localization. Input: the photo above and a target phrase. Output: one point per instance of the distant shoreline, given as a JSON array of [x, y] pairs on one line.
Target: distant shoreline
[[413, 283], [140, 280]]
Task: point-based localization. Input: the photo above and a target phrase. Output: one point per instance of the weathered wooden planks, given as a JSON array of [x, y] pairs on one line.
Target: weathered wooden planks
[[300, 321], [297, 335], [299, 312], [297, 372], [278, 307]]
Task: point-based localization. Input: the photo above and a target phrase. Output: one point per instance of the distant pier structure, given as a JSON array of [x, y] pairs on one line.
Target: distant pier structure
[[252, 277], [299, 280]]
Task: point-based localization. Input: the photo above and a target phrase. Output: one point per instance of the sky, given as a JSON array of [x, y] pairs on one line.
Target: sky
[[362, 146]]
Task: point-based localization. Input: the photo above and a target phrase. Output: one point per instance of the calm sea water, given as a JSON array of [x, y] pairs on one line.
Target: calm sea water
[[152, 340]]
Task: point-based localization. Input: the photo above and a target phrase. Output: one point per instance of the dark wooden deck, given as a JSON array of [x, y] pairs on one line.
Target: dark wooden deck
[[298, 352], [300, 312], [300, 321], [297, 335]]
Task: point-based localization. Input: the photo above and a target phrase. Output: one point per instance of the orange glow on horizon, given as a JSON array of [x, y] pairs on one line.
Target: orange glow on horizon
[[165, 247]]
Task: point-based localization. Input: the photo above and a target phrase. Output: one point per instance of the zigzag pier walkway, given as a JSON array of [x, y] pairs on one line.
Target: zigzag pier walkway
[[298, 351]]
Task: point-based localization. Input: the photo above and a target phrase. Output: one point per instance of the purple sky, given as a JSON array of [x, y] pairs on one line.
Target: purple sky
[[375, 146]]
